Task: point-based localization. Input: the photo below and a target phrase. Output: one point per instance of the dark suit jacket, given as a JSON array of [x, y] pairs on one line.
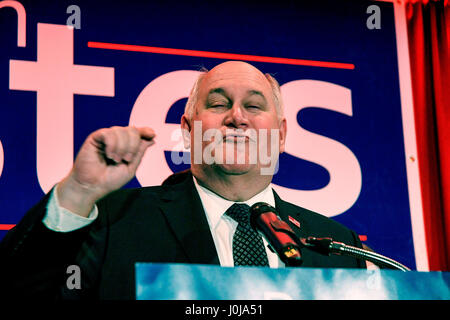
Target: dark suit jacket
[[154, 224]]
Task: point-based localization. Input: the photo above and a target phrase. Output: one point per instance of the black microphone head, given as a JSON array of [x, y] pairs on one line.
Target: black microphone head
[[265, 219], [259, 208]]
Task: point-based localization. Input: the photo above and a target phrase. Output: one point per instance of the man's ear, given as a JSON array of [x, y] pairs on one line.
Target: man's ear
[[185, 131], [283, 132]]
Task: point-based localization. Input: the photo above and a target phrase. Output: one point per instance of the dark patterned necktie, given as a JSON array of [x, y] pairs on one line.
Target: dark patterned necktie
[[248, 246]]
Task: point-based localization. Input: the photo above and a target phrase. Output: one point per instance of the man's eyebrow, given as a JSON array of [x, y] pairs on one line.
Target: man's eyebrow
[[218, 90], [223, 92], [256, 92]]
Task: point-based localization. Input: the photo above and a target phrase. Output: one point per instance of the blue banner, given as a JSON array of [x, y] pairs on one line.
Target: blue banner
[[76, 66]]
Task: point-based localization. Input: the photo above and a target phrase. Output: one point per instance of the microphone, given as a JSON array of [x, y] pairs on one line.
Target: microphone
[[282, 239], [326, 246]]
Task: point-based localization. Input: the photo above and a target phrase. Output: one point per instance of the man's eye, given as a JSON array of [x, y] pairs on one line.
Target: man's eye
[[218, 106], [253, 107]]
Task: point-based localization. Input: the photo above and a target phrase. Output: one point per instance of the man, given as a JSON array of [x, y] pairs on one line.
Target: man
[[192, 218]]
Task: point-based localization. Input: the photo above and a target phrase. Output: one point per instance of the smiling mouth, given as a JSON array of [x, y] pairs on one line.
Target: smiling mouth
[[236, 138]]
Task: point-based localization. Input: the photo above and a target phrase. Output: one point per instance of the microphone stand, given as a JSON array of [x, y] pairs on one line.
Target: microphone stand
[[285, 242], [327, 246]]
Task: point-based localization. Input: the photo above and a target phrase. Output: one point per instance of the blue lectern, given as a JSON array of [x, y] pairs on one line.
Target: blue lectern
[[202, 282]]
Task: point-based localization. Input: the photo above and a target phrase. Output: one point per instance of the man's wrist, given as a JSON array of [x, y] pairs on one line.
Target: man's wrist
[[60, 219], [75, 197]]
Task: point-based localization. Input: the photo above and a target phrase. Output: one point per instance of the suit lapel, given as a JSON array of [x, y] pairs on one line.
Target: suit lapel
[[293, 216], [184, 212]]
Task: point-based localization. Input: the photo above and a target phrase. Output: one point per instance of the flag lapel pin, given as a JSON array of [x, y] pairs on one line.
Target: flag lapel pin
[[294, 222]]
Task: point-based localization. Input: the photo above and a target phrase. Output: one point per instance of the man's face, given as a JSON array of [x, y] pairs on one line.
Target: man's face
[[235, 100]]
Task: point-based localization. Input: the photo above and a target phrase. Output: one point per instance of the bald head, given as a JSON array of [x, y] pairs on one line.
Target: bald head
[[239, 71], [235, 69], [236, 66]]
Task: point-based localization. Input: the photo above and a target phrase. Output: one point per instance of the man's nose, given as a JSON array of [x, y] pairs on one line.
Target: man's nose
[[236, 117]]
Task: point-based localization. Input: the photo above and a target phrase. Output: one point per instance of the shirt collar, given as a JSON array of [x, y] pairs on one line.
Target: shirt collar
[[215, 206]]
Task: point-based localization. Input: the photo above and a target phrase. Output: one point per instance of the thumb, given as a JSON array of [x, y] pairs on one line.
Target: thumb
[[146, 133], [143, 146]]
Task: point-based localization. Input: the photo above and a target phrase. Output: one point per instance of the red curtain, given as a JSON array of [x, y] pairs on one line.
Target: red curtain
[[429, 46]]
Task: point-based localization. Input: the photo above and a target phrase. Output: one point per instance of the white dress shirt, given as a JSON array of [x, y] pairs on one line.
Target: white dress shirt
[[222, 227], [60, 219]]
